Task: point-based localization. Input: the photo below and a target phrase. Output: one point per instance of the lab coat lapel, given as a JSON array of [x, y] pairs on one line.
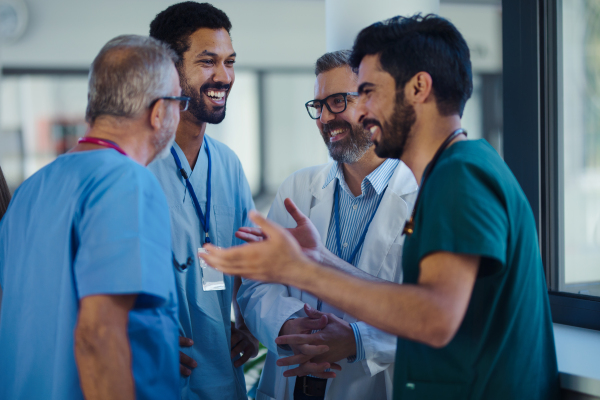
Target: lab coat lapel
[[389, 220], [320, 213]]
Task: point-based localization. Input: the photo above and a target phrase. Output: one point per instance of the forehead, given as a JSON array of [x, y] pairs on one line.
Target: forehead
[[215, 41], [370, 71], [337, 80]]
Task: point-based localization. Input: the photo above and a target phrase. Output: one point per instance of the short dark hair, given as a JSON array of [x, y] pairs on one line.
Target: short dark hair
[[331, 60], [175, 24], [409, 45]]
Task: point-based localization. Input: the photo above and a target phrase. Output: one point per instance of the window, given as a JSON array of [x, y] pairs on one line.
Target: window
[[552, 142]]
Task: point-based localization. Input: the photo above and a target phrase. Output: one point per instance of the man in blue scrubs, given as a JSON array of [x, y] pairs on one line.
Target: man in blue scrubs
[[209, 199], [472, 317], [89, 307]]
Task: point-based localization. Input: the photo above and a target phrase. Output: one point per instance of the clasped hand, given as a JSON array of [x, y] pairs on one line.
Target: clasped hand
[[315, 353]]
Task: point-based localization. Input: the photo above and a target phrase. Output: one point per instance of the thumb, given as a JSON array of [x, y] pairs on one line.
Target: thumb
[[311, 312], [294, 211]]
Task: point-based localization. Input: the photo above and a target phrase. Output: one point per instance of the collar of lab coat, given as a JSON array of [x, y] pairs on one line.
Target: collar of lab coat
[[388, 222]]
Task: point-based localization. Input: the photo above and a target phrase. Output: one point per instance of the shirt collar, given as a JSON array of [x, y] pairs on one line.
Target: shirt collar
[[378, 179]]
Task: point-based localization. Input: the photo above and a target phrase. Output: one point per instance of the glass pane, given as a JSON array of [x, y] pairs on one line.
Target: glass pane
[[581, 146]]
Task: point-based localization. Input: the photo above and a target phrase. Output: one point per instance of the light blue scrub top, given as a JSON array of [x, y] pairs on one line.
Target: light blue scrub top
[[93, 222], [206, 316]]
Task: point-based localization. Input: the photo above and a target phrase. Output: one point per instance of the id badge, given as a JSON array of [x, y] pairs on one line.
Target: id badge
[[211, 278]]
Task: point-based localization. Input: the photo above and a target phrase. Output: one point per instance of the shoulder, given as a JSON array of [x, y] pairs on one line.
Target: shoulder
[[305, 179], [471, 160], [221, 151]]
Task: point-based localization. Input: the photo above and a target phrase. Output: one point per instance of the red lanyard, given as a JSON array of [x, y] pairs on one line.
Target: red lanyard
[[102, 142]]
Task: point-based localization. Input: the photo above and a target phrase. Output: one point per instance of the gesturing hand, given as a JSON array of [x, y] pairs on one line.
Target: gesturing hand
[[186, 363], [242, 341], [305, 232]]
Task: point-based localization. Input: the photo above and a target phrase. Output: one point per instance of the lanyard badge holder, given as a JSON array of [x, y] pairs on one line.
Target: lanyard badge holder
[[211, 278]]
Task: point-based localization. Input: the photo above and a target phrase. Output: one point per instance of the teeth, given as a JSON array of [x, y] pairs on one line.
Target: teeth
[[215, 94], [373, 129], [336, 132]]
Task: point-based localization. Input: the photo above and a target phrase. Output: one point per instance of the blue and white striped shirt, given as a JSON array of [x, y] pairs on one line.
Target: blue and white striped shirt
[[355, 214]]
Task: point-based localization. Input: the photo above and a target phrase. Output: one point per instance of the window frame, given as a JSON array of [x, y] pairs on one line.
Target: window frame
[[532, 64]]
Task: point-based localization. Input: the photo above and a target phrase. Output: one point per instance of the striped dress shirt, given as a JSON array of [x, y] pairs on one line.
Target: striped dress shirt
[[355, 213]]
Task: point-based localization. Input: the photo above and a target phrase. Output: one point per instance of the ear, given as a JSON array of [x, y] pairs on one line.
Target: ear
[[157, 114], [419, 88]]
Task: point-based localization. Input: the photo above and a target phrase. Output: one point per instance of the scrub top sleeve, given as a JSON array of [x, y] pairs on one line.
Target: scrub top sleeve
[[124, 240], [462, 212]]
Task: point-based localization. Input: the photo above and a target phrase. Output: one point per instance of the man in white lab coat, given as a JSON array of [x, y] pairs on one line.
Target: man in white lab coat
[[358, 204]]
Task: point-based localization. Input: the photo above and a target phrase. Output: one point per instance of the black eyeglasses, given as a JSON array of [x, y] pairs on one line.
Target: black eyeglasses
[[335, 103], [184, 101]]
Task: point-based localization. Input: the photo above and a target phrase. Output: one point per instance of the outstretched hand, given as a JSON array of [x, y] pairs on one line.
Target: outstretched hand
[[305, 233], [278, 258]]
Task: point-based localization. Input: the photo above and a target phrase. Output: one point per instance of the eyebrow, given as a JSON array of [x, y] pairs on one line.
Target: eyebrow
[[211, 54], [363, 86]]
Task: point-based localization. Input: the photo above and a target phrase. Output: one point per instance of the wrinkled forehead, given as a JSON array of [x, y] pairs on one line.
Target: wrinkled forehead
[[337, 80]]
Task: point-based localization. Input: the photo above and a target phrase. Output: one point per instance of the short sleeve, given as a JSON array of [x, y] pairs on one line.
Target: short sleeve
[[124, 238], [463, 212]]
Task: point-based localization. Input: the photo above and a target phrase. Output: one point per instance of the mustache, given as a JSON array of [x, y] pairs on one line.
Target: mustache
[[335, 125], [370, 121], [215, 86]]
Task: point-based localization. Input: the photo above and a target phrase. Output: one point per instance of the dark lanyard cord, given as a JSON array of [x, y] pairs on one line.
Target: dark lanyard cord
[[336, 213], [204, 218], [410, 224]]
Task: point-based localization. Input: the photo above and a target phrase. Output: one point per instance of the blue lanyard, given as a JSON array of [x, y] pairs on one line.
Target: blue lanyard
[[204, 219], [336, 213]]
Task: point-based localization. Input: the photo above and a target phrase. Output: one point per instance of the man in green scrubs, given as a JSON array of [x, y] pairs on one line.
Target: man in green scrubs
[[472, 315]]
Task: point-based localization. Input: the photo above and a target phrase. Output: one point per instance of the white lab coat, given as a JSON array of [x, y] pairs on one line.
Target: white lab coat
[[267, 306]]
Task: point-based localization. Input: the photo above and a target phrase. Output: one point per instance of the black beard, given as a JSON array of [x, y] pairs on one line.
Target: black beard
[[395, 132], [351, 149], [198, 107]]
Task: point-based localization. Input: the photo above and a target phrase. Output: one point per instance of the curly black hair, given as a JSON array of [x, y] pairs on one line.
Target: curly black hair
[[409, 45], [175, 24]]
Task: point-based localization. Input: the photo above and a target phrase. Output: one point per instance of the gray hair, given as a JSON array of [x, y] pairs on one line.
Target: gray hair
[[127, 75], [334, 59]]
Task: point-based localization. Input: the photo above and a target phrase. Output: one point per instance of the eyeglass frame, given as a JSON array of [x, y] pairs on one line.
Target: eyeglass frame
[[179, 98], [324, 101]]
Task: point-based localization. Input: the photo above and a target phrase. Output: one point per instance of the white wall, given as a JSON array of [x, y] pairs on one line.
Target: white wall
[[69, 33]]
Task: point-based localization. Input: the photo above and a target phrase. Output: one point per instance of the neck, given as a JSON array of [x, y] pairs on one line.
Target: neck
[[425, 140], [356, 172], [138, 147], [189, 137]]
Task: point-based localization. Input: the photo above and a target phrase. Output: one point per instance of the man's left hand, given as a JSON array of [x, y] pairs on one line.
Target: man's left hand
[[243, 342], [337, 335]]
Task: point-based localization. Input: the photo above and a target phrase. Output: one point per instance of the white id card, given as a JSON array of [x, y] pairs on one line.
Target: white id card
[[211, 278]]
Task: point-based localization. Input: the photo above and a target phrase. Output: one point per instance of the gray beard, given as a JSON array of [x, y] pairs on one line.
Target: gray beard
[[166, 151], [349, 153]]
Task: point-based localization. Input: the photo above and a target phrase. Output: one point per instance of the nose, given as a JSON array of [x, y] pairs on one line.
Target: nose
[[326, 116], [360, 111], [223, 74]]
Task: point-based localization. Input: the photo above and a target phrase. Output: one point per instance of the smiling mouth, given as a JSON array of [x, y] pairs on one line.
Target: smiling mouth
[[216, 96], [337, 134]]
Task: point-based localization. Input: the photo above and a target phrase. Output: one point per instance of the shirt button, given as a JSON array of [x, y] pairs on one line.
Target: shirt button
[[355, 206], [345, 245]]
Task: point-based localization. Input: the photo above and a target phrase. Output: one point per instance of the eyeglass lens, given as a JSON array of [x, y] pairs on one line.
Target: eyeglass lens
[[336, 103]]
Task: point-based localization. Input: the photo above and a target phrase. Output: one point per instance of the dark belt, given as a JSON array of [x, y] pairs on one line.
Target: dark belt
[[309, 386]]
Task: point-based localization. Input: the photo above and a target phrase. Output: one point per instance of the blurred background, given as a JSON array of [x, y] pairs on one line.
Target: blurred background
[[46, 47]]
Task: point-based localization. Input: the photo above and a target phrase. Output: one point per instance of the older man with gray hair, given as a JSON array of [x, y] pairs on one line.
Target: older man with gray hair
[[89, 308], [349, 201]]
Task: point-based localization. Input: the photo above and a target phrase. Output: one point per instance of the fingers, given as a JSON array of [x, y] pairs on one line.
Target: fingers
[[187, 361], [335, 366], [311, 312], [311, 339], [249, 234], [309, 368], [185, 342], [239, 348], [242, 360], [293, 360], [184, 371], [314, 324], [268, 228], [294, 211]]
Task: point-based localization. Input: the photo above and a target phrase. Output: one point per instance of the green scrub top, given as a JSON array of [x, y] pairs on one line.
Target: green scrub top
[[504, 348]]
